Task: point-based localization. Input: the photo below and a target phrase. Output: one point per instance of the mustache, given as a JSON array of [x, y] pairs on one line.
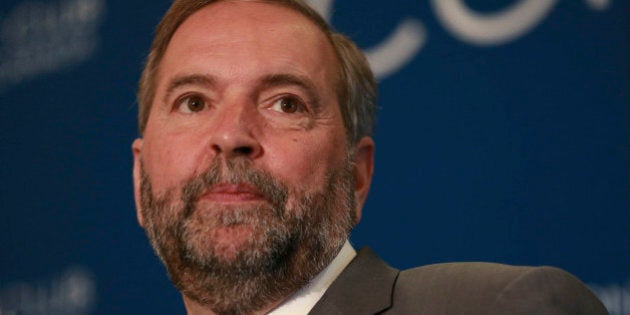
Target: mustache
[[233, 171]]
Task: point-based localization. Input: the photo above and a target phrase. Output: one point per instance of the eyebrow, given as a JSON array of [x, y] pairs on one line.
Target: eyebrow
[[192, 79]]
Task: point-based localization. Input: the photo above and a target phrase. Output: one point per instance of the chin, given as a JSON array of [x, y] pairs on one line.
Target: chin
[[228, 242]]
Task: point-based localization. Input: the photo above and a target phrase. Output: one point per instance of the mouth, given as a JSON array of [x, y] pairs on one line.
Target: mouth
[[233, 193]]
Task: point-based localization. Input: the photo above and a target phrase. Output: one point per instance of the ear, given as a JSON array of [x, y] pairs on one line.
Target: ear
[[363, 170], [136, 148]]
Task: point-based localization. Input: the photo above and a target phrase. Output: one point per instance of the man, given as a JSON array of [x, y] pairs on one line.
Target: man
[[255, 160]]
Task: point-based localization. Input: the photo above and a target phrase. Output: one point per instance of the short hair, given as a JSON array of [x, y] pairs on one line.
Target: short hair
[[356, 86]]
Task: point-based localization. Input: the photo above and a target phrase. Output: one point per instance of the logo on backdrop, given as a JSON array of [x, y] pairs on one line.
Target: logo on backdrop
[[71, 293], [39, 38], [499, 27], [616, 298], [465, 24]]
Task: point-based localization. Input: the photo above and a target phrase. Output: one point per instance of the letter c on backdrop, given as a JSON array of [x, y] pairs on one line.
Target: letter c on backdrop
[[491, 29], [395, 51]]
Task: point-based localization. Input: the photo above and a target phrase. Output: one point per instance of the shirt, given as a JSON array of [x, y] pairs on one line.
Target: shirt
[[302, 301]]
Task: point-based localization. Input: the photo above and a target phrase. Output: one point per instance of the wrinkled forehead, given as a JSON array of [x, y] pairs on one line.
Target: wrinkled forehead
[[240, 20], [258, 34]]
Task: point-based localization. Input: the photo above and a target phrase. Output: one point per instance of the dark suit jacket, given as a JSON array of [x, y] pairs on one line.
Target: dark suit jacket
[[369, 286]]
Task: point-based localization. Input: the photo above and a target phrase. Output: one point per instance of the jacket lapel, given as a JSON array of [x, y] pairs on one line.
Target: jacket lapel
[[364, 287]]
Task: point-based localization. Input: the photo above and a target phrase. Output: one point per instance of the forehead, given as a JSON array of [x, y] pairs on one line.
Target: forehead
[[225, 15], [259, 35]]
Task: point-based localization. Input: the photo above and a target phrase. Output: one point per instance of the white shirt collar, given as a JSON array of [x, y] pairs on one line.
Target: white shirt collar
[[302, 301]]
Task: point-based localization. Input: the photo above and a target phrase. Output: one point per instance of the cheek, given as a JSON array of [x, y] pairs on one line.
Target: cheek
[[169, 160], [304, 162]]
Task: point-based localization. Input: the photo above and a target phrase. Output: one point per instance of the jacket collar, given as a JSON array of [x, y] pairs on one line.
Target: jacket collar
[[364, 287]]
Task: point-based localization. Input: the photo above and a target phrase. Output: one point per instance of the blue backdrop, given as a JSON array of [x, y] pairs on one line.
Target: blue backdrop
[[502, 136]]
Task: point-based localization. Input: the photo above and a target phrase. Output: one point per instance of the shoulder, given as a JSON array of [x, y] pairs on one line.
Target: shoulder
[[491, 288]]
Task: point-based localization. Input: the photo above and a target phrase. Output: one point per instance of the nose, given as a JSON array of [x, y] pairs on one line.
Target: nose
[[233, 132]]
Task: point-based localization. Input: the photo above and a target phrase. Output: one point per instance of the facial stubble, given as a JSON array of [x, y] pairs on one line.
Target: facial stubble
[[288, 239]]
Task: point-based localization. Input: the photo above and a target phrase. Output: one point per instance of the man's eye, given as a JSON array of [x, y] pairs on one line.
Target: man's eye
[[288, 105], [191, 104]]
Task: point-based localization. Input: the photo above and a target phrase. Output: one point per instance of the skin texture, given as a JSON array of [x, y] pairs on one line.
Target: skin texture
[[252, 82]]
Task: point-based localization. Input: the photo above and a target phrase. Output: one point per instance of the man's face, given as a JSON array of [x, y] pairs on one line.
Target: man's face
[[244, 157]]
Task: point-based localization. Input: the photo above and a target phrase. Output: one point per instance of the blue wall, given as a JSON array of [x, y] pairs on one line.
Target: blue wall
[[509, 144]]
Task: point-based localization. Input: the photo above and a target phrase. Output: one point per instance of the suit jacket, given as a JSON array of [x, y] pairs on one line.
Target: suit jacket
[[369, 286]]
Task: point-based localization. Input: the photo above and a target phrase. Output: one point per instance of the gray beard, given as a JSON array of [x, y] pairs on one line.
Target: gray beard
[[286, 246]]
